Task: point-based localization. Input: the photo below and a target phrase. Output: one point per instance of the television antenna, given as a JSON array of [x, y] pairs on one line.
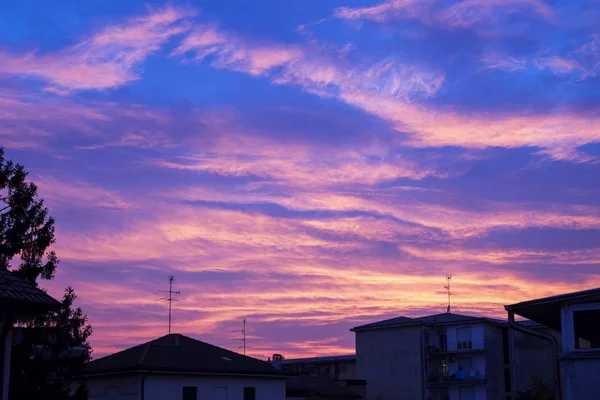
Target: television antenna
[[170, 299], [447, 287], [243, 338]]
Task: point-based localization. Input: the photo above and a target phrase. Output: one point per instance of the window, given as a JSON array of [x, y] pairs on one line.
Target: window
[[249, 393], [463, 336], [342, 368], [189, 393], [586, 325]]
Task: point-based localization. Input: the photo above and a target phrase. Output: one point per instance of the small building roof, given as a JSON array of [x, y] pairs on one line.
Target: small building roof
[[22, 297], [318, 387], [317, 360], [436, 319], [179, 353], [547, 309]]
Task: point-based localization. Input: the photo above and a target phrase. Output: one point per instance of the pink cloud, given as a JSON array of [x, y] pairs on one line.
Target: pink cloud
[[107, 59], [388, 89], [465, 13], [558, 65]]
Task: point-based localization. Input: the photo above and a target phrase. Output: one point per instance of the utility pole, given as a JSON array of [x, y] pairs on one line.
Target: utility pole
[[170, 299]]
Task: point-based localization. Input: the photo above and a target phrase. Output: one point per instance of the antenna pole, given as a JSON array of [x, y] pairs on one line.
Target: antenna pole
[[244, 337], [447, 287], [170, 299]]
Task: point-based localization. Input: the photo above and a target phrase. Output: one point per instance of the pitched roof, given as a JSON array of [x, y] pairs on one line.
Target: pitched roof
[[179, 353], [318, 387], [547, 310], [444, 318], [21, 295]]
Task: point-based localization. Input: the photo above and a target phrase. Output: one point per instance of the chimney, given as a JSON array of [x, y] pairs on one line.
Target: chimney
[[277, 359]]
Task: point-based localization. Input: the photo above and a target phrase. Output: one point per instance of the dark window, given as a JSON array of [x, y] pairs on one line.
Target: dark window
[[190, 393], [507, 385], [587, 329], [249, 393]]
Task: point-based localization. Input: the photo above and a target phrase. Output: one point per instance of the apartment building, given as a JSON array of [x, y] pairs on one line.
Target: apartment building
[[442, 357]]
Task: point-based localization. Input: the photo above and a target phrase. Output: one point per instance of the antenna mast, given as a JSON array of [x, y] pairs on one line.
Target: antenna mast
[[170, 299], [243, 339], [447, 287]]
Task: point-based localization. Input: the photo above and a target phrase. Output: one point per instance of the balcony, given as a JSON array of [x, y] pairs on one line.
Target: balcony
[[464, 346], [460, 377]]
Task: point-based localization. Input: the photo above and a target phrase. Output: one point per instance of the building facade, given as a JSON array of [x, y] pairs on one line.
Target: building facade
[[576, 354], [441, 357]]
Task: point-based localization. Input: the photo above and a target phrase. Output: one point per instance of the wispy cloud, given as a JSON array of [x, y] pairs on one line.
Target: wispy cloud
[[465, 13], [312, 71], [110, 58]]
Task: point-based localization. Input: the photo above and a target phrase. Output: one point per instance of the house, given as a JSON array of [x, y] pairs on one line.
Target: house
[[440, 357], [318, 387], [577, 351], [18, 300], [179, 367], [335, 367]]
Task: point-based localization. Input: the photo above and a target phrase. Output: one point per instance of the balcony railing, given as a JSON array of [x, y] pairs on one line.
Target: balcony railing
[[460, 346], [456, 377]]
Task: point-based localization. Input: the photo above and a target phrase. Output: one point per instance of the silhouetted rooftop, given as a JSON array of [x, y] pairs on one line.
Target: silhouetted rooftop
[[179, 353], [444, 318]]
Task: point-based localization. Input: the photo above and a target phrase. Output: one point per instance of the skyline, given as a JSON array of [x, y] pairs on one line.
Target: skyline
[[307, 166]]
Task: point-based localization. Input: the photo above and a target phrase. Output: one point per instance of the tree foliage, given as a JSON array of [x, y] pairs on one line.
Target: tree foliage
[[47, 365], [26, 230]]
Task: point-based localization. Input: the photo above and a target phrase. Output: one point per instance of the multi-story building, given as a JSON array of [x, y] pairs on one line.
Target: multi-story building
[[439, 357]]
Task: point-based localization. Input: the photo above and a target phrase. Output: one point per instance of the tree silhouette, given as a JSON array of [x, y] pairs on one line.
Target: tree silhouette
[[54, 347]]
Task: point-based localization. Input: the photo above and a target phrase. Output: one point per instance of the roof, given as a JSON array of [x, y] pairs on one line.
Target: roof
[[23, 296], [318, 387], [547, 309], [436, 319], [179, 353], [326, 359]]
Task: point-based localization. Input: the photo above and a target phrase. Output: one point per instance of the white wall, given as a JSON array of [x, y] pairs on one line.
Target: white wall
[[114, 388], [170, 387]]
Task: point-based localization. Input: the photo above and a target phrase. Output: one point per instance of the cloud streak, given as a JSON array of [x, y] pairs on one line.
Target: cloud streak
[[110, 58]]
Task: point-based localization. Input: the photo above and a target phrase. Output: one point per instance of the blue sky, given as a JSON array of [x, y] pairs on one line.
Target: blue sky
[[306, 165]]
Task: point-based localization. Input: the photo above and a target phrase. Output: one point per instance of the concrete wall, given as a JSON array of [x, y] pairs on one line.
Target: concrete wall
[[457, 393], [390, 361], [494, 363], [580, 378], [170, 387], [534, 359]]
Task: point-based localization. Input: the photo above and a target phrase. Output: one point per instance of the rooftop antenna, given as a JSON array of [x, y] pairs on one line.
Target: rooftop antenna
[[170, 299], [243, 339], [447, 287]]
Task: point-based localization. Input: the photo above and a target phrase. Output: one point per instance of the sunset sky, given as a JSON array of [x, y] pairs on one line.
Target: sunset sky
[[309, 165]]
